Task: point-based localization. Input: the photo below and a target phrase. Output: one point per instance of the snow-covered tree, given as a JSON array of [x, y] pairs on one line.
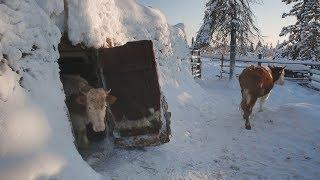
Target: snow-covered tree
[[251, 49], [304, 35], [243, 49], [259, 45], [221, 48], [230, 20], [278, 51]]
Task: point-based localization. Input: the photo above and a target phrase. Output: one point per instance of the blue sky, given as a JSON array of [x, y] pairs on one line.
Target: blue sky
[[190, 12]]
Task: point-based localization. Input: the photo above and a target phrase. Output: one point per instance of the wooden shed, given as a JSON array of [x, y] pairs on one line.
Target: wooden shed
[[140, 116]]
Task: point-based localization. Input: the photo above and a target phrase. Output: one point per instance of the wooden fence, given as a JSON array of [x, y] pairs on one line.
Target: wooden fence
[[196, 63], [315, 78], [304, 73]]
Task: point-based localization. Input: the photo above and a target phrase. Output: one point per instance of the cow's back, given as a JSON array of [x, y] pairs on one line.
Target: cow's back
[[72, 84], [258, 80]]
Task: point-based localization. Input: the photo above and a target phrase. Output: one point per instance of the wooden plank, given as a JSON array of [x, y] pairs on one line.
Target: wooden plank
[[296, 79], [313, 78], [315, 71], [76, 54], [266, 61], [238, 66], [131, 72], [315, 85]]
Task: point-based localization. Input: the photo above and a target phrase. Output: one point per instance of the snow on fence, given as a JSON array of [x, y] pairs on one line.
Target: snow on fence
[[304, 73], [196, 63], [315, 78]]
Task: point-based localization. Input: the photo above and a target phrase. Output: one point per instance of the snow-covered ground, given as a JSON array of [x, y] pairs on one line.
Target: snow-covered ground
[[209, 140]]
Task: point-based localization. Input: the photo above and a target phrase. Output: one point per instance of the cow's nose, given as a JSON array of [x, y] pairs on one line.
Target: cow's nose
[[99, 128]]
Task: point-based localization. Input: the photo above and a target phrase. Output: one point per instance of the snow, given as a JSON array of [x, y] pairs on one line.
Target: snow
[[209, 140], [92, 22]]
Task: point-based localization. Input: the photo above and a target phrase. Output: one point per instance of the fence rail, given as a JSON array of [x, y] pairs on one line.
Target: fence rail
[[308, 73], [266, 61]]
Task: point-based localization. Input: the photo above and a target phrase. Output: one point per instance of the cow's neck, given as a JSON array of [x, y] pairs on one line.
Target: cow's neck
[[270, 74]]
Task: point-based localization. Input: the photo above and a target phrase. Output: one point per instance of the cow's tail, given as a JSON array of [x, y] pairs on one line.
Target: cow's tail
[[242, 98]]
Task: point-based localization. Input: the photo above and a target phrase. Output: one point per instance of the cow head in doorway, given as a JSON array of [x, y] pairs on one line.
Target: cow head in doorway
[[96, 102]]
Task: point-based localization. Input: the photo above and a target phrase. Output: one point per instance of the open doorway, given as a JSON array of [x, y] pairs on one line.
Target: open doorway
[[140, 116]]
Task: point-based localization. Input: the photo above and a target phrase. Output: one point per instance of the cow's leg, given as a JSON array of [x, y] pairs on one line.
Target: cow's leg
[[82, 139], [247, 104], [250, 106], [79, 126], [263, 99], [243, 104]]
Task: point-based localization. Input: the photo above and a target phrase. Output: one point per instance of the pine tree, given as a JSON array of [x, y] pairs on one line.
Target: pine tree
[[230, 20], [277, 52], [251, 49], [304, 35], [192, 42], [259, 45]]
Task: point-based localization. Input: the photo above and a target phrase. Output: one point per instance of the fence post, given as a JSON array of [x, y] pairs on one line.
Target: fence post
[[196, 63], [221, 70], [310, 73], [259, 57]]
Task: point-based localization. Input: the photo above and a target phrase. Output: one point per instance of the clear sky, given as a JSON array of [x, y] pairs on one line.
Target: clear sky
[[190, 12]]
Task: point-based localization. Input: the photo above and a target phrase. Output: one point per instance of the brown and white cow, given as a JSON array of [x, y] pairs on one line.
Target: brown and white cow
[[86, 105], [257, 82]]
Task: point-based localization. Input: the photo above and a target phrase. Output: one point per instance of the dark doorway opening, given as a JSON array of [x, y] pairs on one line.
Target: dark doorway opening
[[139, 117]]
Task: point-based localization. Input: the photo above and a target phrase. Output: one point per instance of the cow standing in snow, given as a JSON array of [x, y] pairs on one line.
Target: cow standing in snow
[[257, 82], [86, 105]]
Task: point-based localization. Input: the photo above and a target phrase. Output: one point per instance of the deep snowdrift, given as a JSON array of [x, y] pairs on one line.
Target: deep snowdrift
[[35, 134]]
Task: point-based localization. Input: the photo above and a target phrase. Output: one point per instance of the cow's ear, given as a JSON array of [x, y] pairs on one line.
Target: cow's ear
[[111, 99], [82, 99]]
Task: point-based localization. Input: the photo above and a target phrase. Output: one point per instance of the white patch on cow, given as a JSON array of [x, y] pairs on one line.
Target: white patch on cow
[[269, 72], [263, 99], [247, 96], [280, 81], [96, 108]]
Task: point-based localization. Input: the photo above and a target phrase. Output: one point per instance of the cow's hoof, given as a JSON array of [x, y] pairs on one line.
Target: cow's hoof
[[248, 127], [261, 110]]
